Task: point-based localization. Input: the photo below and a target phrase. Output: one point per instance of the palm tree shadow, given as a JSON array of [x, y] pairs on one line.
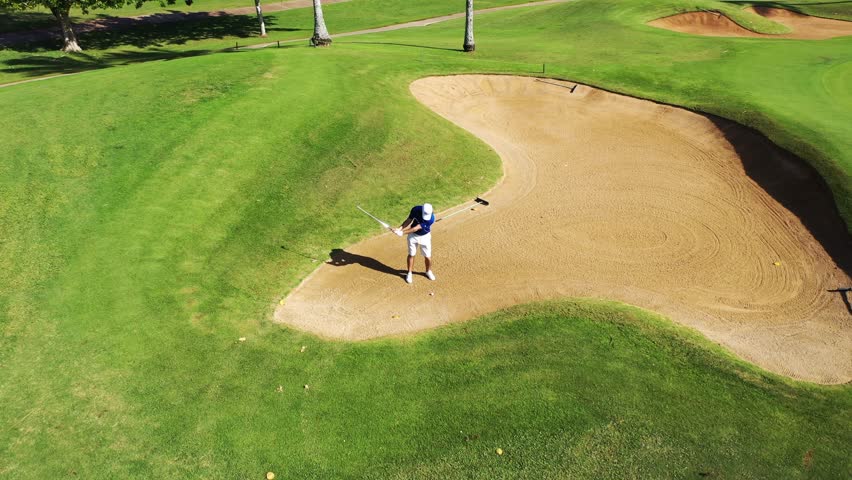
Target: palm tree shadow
[[155, 30], [342, 258], [407, 45], [36, 65]]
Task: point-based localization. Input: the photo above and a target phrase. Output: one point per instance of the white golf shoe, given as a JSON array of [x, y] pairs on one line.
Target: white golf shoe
[[409, 278], [430, 275]]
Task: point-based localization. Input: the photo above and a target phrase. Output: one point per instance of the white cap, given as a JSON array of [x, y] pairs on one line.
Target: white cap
[[427, 211]]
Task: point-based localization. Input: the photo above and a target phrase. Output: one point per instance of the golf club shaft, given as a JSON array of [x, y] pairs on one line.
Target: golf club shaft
[[455, 213], [477, 201], [384, 224]]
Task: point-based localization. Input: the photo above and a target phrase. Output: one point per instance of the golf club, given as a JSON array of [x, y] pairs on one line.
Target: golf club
[[384, 224]]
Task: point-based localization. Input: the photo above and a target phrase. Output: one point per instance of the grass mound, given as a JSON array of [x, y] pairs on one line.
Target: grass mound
[[581, 389]]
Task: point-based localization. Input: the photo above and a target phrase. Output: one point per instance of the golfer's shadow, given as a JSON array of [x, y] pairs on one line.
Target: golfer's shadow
[[341, 258]]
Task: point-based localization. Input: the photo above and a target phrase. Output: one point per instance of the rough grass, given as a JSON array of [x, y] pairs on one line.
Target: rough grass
[[141, 230]]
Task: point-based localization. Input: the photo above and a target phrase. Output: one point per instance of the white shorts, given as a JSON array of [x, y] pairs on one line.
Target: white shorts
[[425, 242]]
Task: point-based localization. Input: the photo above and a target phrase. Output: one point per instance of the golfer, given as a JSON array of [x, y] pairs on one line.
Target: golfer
[[418, 227]]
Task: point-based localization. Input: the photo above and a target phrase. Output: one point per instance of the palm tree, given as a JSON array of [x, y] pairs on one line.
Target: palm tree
[[260, 18], [469, 46], [321, 37]]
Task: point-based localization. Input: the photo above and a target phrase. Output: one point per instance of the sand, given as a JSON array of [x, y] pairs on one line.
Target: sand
[[612, 197], [713, 24]]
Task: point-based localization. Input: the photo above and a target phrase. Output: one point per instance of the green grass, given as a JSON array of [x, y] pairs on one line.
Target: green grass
[[143, 214], [104, 49], [795, 92], [169, 41], [13, 21], [357, 14], [830, 9]]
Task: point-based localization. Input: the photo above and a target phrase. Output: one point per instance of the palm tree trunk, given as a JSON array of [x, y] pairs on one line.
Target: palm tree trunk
[[469, 46], [260, 18], [69, 38], [321, 37]]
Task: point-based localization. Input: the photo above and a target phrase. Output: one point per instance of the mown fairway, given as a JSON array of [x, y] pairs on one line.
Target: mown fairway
[[143, 214]]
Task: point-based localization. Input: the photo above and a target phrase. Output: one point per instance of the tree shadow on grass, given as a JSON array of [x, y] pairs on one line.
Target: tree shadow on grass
[[129, 32], [795, 184], [154, 38], [37, 66], [160, 35], [12, 21], [406, 45]]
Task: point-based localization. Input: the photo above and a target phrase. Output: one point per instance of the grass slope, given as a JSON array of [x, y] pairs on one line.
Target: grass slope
[[143, 220], [793, 91]]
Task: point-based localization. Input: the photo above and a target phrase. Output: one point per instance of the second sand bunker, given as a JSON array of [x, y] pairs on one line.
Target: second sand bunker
[[716, 24], [612, 197]]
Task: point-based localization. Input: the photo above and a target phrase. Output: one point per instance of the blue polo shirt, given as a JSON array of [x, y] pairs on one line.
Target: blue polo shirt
[[425, 225]]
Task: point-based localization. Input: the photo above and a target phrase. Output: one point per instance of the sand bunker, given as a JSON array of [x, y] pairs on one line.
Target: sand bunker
[[612, 197], [804, 27]]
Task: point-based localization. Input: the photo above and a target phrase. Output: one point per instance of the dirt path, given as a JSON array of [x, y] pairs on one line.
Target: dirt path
[[713, 24], [612, 197], [118, 23]]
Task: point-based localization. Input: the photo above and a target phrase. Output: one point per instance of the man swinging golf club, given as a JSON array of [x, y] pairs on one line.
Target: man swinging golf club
[[418, 227]]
